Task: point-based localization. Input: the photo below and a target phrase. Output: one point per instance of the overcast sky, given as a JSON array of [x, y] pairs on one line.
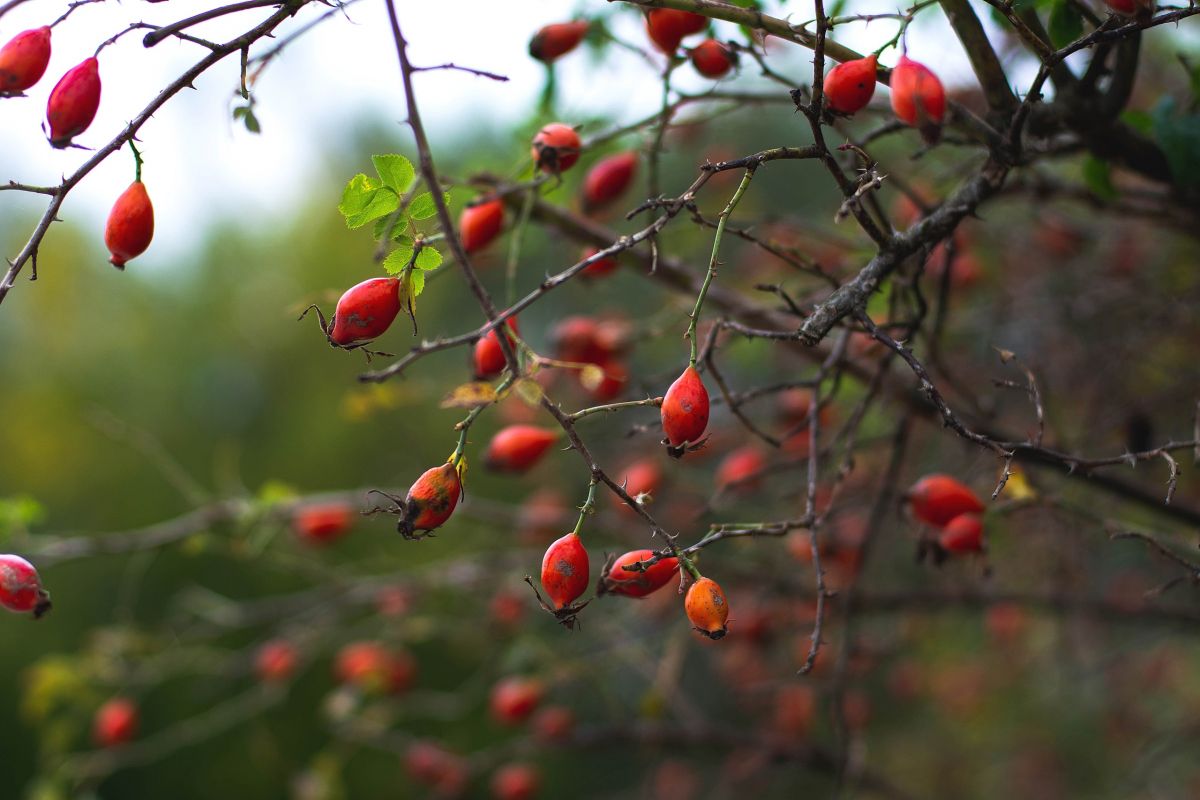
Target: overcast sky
[[202, 167]]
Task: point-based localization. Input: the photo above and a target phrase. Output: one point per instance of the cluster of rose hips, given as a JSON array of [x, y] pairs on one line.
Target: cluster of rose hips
[[953, 509], [70, 109]]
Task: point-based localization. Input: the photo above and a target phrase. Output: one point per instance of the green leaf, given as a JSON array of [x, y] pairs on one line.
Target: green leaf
[[395, 171], [1066, 23], [429, 258], [1098, 177], [416, 283], [363, 201], [397, 260], [1140, 121], [423, 207], [1179, 137]]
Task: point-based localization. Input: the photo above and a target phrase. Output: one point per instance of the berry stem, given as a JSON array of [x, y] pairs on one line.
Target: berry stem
[[137, 162], [588, 506], [712, 262]]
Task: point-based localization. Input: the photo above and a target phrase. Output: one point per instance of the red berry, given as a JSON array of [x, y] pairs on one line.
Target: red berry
[[963, 534], [600, 267], [554, 41], [324, 523], [850, 85], [706, 608], [73, 102], [937, 499], [613, 377], [116, 722], [431, 500], [667, 27], [565, 571], [608, 179], [640, 477], [365, 311], [742, 470], [275, 661], [373, 668], [556, 148], [130, 225], [918, 98], [479, 224], [23, 60], [1130, 8], [489, 356], [437, 767], [518, 448], [713, 59], [21, 588], [553, 724], [638, 584], [507, 608], [586, 340], [514, 699], [685, 411], [515, 782]]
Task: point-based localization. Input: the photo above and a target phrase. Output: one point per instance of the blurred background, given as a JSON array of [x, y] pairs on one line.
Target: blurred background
[[132, 398]]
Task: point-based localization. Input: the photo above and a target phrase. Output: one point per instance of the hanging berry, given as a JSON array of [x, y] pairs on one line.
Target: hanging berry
[[23, 60], [607, 180], [480, 223], [73, 103], [633, 583], [430, 501], [685, 412], [937, 499], [489, 355], [556, 148], [554, 41], [706, 608], [850, 85], [712, 59], [918, 98], [130, 226], [667, 27], [21, 587], [518, 448]]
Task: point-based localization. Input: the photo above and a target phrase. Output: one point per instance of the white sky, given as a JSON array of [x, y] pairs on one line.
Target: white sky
[[201, 167]]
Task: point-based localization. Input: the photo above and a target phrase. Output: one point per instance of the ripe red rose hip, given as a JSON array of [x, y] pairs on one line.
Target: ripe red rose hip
[[667, 27], [372, 667], [631, 583], [918, 98], [642, 477], [685, 411], [275, 661], [607, 180], [480, 223], [553, 724], [23, 60], [600, 267], [742, 470], [516, 782], [556, 148], [365, 311], [565, 571], [518, 448], [850, 85], [116, 722], [937, 499], [431, 500], [73, 103], [130, 225], [963, 534], [489, 355], [1130, 8], [514, 699], [712, 59], [447, 773], [706, 608], [554, 41], [21, 587], [323, 523]]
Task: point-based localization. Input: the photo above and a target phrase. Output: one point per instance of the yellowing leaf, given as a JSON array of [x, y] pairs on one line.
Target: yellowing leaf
[[1018, 486], [470, 395], [591, 377], [530, 391]]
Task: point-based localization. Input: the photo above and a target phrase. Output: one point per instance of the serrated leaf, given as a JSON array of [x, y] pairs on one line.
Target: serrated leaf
[[399, 229], [1066, 23], [363, 201], [470, 395], [395, 171], [423, 207], [397, 260], [416, 281], [429, 258], [1098, 176]]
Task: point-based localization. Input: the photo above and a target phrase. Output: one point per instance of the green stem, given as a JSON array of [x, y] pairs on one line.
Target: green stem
[[588, 506], [137, 161], [469, 420], [712, 262], [687, 563]]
